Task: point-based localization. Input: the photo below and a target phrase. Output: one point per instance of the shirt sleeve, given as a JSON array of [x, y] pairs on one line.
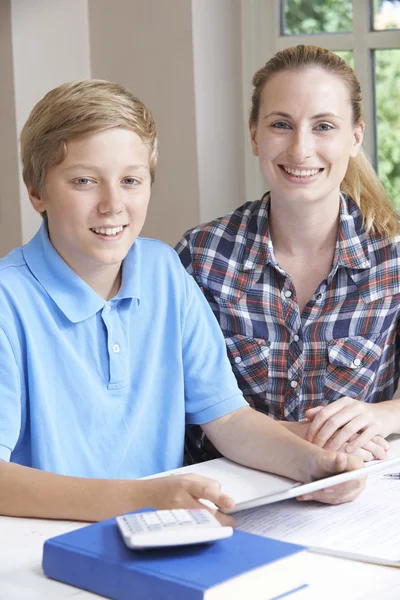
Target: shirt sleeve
[[184, 253], [211, 389], [10, 398]]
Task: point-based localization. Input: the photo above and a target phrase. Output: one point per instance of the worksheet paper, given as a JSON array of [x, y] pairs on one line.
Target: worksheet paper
[[367, 529], [250, 488]]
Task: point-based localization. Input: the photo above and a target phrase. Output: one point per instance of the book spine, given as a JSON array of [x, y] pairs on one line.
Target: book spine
[[95, 574]]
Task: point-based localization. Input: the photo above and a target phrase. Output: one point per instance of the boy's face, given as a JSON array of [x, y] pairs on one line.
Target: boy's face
[[96, 199]]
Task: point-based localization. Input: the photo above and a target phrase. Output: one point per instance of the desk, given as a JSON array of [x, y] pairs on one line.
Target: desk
[[21, 575]]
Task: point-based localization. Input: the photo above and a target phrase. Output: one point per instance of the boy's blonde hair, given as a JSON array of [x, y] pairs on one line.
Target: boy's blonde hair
[[76, 109], [360, 181]]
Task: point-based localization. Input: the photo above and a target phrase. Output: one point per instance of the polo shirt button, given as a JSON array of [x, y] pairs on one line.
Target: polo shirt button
[[238, 359], [116, 348], [296, 338], [288, 294], [356, 362], [293, 384], [107, 309]]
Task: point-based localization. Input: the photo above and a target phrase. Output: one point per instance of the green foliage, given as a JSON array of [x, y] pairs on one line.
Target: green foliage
[[387, 77], [317, 16]]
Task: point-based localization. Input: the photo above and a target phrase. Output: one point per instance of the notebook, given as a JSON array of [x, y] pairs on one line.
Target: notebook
[[245, 565]]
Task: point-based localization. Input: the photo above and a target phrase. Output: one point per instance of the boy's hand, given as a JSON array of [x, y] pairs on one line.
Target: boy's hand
[[330, 463], [184, 491]]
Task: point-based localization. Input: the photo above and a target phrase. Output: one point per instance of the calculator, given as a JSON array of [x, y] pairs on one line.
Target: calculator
[[177, 527]]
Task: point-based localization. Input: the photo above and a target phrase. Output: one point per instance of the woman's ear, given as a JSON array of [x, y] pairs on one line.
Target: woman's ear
[[253, 138], [358, 137], [36, 199]]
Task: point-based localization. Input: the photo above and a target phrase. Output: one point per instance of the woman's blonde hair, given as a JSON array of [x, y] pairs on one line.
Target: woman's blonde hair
[[76, 109], [360, 181]]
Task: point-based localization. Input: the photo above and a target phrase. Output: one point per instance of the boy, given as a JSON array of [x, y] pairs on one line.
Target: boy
[[107, 346]]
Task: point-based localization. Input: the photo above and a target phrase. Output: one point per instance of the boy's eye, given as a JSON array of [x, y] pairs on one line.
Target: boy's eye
[[82, 181], [281, 125], [130, 181]]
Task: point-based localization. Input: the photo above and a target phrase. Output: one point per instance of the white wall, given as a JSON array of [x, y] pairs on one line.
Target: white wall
[[219, 115], [183, 58], [50, 46]]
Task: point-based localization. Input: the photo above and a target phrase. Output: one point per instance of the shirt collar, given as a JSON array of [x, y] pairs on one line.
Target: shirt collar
[[352, 244], [71, 294], [259, 250]]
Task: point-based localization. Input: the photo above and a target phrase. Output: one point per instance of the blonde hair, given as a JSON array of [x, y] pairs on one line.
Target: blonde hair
[[360, 182], [76, 109]]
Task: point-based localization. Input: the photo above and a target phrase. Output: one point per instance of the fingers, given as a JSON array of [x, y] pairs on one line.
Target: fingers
[[320, 417], [225, 520], [362, 424], [338, 494], [377, 439], [364, 454], [311, 412], [376, 451], [365, 436], [208, 489]]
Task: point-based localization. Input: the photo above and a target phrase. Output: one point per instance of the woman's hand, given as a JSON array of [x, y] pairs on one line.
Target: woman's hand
[[184, 491], [350, 425], [372, 450]]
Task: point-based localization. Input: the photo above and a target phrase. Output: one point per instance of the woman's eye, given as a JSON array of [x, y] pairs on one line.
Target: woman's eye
[[324, 127], [82, 181], [130, 181], [281, 125]]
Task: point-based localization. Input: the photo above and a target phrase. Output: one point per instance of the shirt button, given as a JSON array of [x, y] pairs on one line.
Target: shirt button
[[288, 294], [356, 362], [296, 337], [318, 296], [293, 384], [238, 359], [116, 348], [107, 309]]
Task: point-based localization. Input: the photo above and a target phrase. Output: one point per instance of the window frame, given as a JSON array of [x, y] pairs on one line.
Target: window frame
[[262, 38]]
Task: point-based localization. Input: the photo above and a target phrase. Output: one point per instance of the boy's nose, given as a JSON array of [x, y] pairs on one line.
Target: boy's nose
[[110, 201]]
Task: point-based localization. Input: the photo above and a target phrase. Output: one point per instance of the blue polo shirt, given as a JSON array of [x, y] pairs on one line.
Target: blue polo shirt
[[104, 389]]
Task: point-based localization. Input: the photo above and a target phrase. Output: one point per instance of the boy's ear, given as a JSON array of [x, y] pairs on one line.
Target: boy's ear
[[36, 199]]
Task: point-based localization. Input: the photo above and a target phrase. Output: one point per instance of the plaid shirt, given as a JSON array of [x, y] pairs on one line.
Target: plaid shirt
[[345, 342]]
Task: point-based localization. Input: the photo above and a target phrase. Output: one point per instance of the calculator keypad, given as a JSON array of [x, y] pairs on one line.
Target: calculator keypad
[[169, 519]]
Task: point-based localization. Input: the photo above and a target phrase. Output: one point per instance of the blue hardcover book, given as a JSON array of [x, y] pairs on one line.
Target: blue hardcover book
[[245, 565]]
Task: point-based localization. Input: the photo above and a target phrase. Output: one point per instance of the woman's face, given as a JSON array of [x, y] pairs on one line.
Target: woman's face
[[305, 135]]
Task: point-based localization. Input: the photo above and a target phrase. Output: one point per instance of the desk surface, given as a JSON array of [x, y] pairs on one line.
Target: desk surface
[[329, 578], [21, 575]]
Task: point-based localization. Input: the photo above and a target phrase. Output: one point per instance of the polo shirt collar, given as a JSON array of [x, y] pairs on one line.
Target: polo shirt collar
[[73, 296]]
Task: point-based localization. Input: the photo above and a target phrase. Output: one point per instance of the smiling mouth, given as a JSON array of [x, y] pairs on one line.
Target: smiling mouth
[[300, 172], [109, 231]]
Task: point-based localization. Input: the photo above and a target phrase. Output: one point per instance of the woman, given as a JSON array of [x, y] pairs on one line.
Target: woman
[[305, 282]]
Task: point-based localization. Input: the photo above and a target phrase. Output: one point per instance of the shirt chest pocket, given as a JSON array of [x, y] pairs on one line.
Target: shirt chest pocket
[[351, 368], [249, 360]]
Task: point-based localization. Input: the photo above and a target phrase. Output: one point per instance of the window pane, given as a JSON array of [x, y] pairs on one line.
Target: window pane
[[347, 55], [387, 95], [386, 14], [316, 16]]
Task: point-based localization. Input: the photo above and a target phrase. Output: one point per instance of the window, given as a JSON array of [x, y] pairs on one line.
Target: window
[[365, 33]]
